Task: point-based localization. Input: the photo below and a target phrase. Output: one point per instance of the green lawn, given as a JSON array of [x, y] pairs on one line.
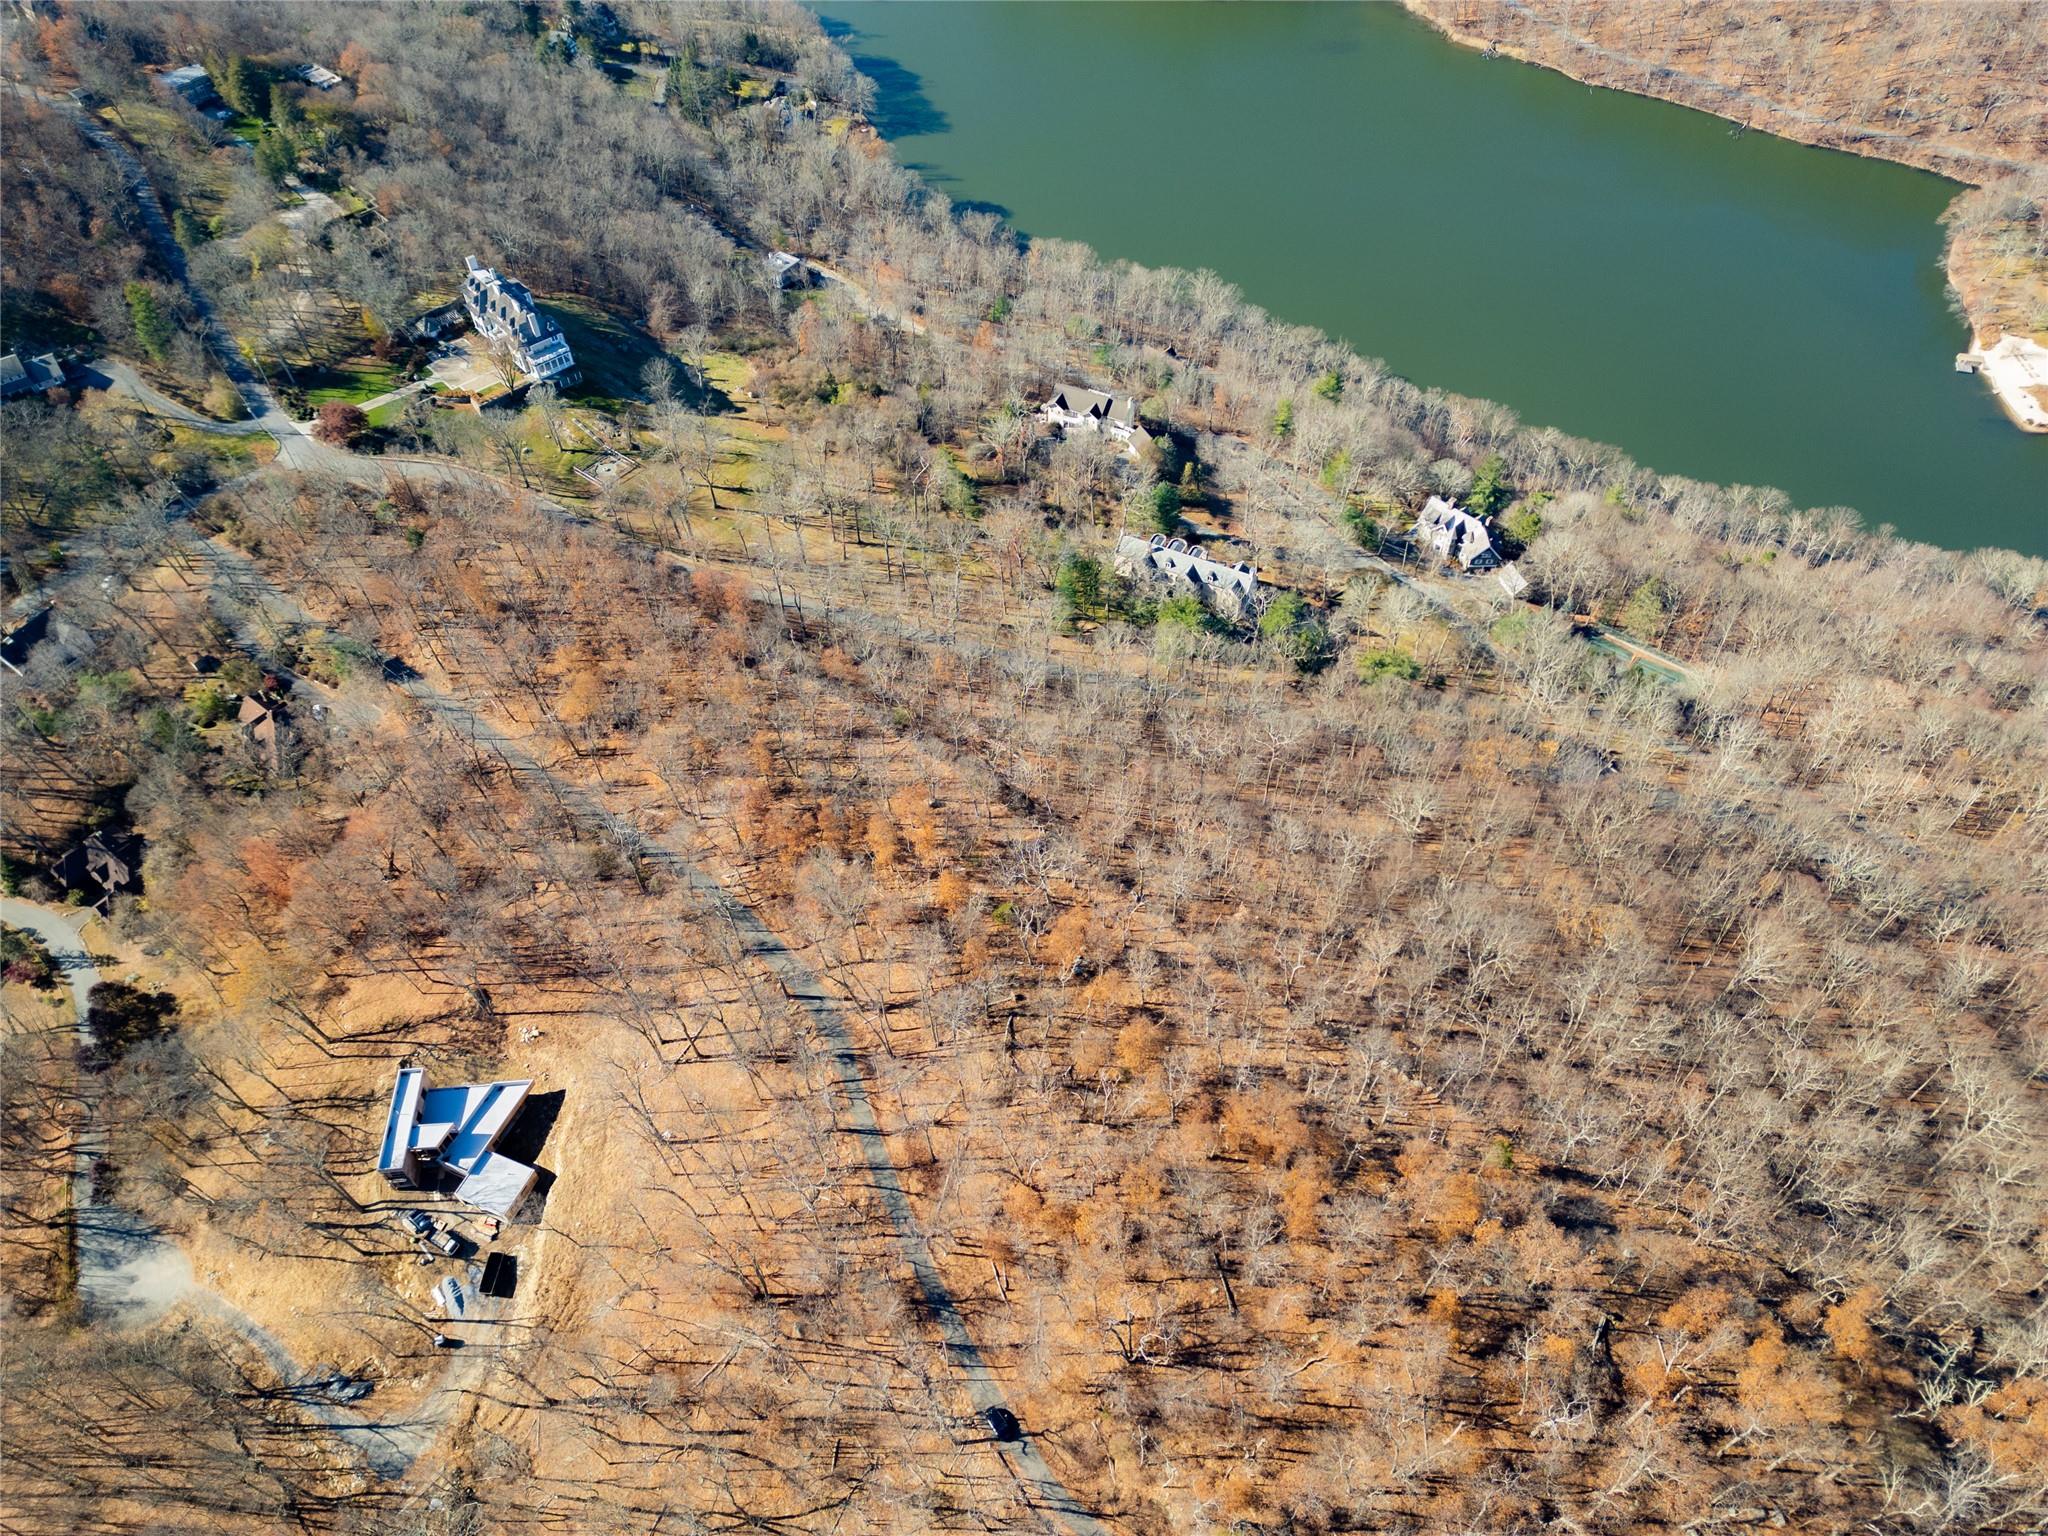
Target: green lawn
[[239, 452], [201, 182], [356, 380], [388, 412], [610, 353], [546, 466]]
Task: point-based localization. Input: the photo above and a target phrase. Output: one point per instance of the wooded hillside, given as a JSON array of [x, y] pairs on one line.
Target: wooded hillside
[[1405, 1058]]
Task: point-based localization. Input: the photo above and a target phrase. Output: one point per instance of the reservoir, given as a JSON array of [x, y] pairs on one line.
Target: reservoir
[[1718, 304]]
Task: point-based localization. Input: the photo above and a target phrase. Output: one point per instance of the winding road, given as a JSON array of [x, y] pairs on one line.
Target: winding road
[[295, 449], [131, 1276], [829, 1014]]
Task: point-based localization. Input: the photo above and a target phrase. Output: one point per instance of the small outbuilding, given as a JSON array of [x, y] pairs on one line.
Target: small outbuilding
[[500, 1277]]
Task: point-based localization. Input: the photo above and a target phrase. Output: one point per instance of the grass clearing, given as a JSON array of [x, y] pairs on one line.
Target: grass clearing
[[556, 464], [354, 380], [200, 181], [609, 351], [234, 453]]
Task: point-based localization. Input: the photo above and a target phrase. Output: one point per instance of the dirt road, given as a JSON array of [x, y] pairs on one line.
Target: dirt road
[[131, 1276]]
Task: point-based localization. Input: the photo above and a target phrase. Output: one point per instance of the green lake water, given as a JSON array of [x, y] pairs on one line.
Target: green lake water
[[1722, 305]]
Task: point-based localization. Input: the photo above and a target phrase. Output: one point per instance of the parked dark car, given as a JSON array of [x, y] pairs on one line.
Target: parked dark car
[[1003, 1424], [419, 1221]]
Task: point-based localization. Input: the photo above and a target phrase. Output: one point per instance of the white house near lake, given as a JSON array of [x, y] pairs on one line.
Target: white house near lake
[[503, 312], [432, 1129], [1074, 408], [1454, 534]]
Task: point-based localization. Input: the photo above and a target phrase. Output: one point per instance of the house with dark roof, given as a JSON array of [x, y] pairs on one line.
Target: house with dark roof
[[1076, 408], [431, 1134], [24, 637], [1182, 567], [262, 717], [504, 314], [191, 84], [29, 375], [1451, 533], [108, 863]]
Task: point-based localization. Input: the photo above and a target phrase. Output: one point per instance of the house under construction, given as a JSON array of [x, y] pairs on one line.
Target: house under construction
[[436, 1133]]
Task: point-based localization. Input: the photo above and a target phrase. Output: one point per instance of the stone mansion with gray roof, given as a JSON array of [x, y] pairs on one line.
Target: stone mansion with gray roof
[[504, 314]]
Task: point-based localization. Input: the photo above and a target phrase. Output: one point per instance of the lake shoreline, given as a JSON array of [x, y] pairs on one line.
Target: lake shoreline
[[2017, 370], [1800, 342], [1990, 301]]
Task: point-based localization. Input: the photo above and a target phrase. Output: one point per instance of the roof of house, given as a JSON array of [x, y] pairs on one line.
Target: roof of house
[[508, 303], [109, 859], [19, 375], [16, 643], [456, 1126], [1464, 535], [497, 1183], [405, 1112], [786, 270], [1078, 400], [191, 80], [1181, 561]]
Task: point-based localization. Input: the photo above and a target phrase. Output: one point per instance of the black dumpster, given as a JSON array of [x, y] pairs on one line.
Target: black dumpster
[[501, 1275]]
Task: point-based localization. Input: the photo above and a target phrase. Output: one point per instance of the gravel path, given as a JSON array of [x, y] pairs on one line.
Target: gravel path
[[128, 1275], [828, 1013], [131, 1276], [110, 373]]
